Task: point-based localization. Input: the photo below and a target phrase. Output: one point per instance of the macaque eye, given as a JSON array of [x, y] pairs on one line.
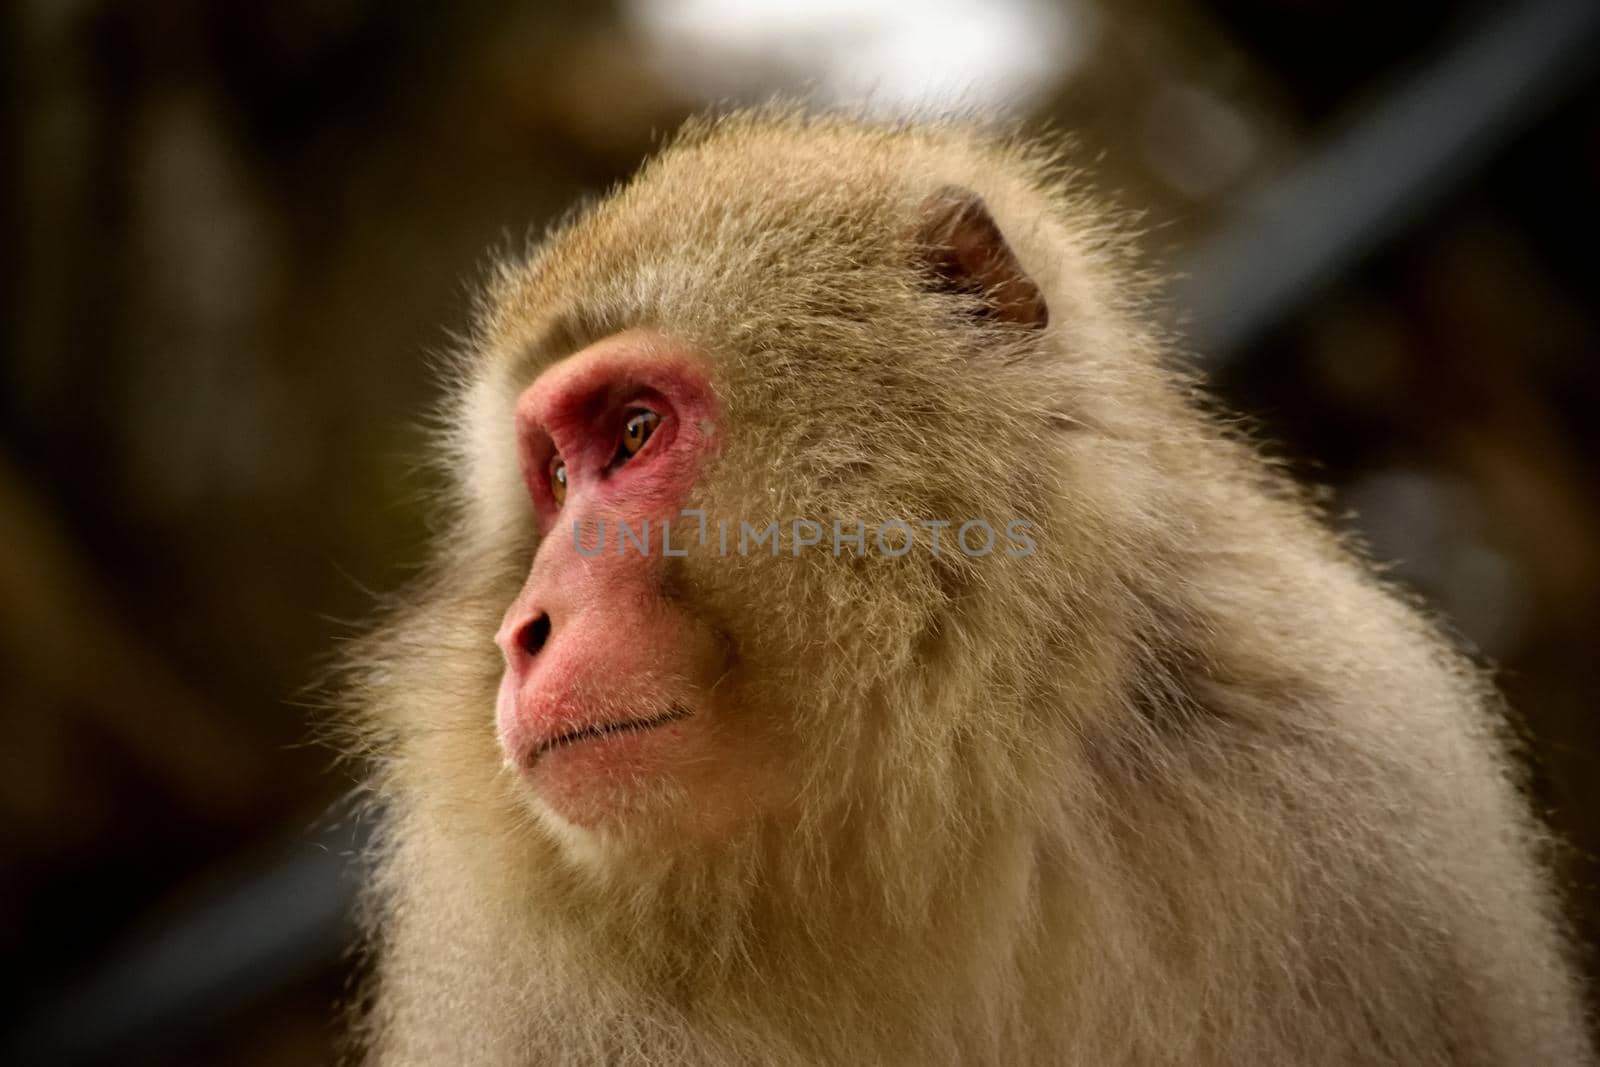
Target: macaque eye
[[636, 431], [558, 480]]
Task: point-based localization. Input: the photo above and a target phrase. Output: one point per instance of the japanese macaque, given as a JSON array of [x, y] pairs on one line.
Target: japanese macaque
[[855, 643]]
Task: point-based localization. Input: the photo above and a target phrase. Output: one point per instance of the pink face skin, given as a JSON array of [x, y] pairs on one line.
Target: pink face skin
[[612, 696]]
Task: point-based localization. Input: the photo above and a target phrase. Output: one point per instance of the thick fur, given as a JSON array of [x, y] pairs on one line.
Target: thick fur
[[1188, 785]]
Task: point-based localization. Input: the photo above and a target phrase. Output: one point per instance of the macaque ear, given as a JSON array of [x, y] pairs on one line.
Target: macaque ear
[[964, 252]]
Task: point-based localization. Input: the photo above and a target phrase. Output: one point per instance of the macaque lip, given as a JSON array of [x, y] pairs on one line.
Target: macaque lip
[[600, 731]]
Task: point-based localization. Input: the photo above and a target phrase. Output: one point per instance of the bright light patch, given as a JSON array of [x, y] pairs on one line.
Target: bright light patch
[[890, 56]]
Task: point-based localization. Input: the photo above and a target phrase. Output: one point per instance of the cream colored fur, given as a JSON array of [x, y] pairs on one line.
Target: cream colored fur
[[1189, 785]]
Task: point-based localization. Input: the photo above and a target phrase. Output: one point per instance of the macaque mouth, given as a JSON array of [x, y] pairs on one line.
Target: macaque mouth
[[594, 732]]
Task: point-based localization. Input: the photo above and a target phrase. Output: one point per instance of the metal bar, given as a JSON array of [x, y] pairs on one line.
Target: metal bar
[[255, 937], [1290, 239]]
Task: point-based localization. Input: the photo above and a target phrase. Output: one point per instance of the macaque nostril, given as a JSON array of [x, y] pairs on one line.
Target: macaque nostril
[[534, 635]]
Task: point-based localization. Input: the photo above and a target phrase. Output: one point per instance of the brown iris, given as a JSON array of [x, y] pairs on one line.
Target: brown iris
[[558, 480], [636, 431]]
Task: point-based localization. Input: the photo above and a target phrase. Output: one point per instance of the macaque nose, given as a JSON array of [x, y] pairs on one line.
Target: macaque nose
[[533, 636]]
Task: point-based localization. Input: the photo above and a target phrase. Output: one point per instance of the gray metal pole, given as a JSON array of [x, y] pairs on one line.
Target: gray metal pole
[[1288, 240]]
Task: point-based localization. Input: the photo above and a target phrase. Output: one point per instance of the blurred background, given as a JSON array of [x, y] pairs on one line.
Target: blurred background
[[234, 235]]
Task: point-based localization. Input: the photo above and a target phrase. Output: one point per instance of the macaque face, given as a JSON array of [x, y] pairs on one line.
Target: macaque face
[[618, 698]]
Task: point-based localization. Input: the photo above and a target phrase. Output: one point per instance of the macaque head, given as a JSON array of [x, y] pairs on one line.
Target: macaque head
[[763, 443]]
